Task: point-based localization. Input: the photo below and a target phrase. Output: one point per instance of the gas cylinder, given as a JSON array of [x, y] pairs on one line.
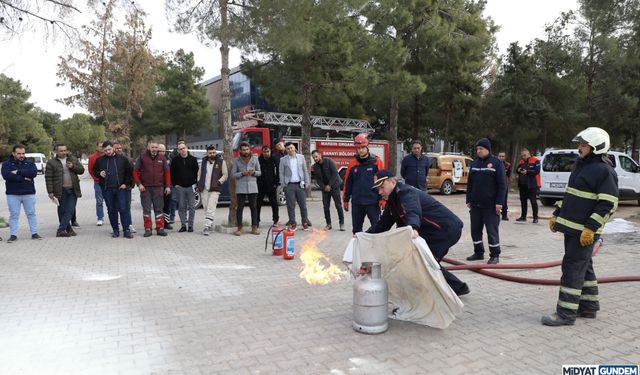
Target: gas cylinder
[[289, 244], [278, 241], [370, 298]]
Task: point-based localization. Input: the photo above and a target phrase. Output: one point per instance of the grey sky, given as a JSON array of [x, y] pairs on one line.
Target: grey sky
[[34, 61]]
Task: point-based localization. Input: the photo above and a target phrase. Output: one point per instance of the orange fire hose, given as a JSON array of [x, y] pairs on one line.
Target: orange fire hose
[[482, 269]]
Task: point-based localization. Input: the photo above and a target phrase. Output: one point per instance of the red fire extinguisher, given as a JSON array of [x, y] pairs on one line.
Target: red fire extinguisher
[[278, 242], [289, 244]]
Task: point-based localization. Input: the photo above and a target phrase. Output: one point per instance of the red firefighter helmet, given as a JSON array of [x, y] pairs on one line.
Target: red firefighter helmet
[[361, 140]]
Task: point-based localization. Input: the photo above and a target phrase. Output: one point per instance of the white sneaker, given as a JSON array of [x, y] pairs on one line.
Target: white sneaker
[[99, 223], [205, 231], [132, 229]]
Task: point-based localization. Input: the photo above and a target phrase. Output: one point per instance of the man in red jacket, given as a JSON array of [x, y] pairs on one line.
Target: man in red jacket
[[151, 174], [96, 184]]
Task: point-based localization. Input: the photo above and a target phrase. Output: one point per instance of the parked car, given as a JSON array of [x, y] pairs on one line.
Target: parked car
[[38, 159], [557, 166], [448, 172]]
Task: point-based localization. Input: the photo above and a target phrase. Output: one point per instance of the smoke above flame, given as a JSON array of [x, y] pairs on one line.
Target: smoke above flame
[[317, 267]]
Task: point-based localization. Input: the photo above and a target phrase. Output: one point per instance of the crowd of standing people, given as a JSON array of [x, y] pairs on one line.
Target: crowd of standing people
[[368, 191]]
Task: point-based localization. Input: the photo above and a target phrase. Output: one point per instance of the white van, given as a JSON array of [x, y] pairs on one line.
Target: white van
[[556, 167], [38, 159]]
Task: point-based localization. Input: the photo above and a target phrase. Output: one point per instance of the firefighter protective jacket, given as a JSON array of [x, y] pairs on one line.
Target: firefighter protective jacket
[[359, 179], [591, 196]]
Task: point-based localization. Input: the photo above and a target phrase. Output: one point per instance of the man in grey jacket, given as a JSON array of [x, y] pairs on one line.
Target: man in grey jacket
[[246, 170], [294, 178]]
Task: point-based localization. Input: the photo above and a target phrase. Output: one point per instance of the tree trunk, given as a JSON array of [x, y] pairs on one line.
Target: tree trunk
[[226, 109], [634, 146], [393, 135], [307, 107], [447, 119]]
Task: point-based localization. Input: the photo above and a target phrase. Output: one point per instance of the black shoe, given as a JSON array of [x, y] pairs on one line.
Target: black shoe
[[535, 220], [505, 218], [493, 260], [127, 234], [147, 233], [62, 233], [115, 234], [36, 236], [587, 314], [168, 226], [12, 239], [161, 232], [71, 232], [75, 224], [190, 229], [476, 257], [555, 321], [464, 289], [521, 219], [182, 229]]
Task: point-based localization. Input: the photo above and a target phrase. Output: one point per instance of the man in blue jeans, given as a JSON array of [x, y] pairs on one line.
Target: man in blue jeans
[[19, 174], [116, 175], [96, 184], [61, 176]]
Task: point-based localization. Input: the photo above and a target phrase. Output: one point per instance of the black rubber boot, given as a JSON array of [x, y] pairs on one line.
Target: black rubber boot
[[556, 321]]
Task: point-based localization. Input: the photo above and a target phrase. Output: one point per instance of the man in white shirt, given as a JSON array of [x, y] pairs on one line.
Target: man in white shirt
[[211, 175], [294, 178]]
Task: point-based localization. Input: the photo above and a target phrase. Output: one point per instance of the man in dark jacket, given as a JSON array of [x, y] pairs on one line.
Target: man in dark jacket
[[116, 175], [18, 173], [326, 175], [415, 167], [485, 197], [184, 174], [357, 185], [61, 176], [436, 224], [268, 183], [211, 175], [528, 184], [507, 170], [590, 199]]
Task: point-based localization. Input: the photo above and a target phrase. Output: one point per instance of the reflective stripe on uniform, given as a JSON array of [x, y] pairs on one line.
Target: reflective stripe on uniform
[[601, 220], [569, 224], [589, 297], [582, 194], [590, 283], [568, 305], [497, 245], [573, 292], [608, 197], [477, 242]]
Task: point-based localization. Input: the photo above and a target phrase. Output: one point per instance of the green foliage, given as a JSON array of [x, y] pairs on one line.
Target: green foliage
[[80, 134], [19, 122], [180, 105]]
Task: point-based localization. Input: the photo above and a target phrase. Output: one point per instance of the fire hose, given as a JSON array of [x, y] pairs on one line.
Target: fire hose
[[482, 269]]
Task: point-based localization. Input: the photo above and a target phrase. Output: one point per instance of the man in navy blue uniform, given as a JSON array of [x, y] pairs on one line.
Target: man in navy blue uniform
[[415, 167], [590, 199], [486, 190], [429, 219]]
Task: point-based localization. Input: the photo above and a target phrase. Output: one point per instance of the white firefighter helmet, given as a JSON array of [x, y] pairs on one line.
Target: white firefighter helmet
[[596, 138]]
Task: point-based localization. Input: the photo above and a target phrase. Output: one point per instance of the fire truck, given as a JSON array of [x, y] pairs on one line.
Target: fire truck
[[332, 136]]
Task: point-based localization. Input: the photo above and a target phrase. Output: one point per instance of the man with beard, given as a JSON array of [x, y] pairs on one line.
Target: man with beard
[[117, 147], [246, 170], [151, 174], [212, 174], [61, 176], [184, 174], [115, 173], [268, 183]]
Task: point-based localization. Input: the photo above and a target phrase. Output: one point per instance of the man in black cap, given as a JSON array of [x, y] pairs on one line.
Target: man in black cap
[[436, 224], [486, 190]]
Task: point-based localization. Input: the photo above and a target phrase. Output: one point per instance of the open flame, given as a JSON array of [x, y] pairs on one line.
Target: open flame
[[317, 268]]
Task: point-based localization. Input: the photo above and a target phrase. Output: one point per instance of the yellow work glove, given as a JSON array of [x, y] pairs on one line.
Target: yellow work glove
[[586, 237], [552, 224]]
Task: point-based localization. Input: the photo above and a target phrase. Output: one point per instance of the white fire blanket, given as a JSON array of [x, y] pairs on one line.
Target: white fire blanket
[[418, 291]]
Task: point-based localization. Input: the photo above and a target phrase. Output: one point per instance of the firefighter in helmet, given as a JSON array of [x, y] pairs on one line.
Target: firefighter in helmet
[[591, 197], [357, 185]]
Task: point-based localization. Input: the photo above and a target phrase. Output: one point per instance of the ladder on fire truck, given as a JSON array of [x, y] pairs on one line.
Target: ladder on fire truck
[[337, 124]]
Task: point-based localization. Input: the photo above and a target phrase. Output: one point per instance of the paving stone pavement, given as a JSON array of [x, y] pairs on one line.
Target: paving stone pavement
[[189, 304]]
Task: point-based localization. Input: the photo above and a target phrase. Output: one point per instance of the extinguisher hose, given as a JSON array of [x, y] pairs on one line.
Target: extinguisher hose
[[266, 240], [482, 269]]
